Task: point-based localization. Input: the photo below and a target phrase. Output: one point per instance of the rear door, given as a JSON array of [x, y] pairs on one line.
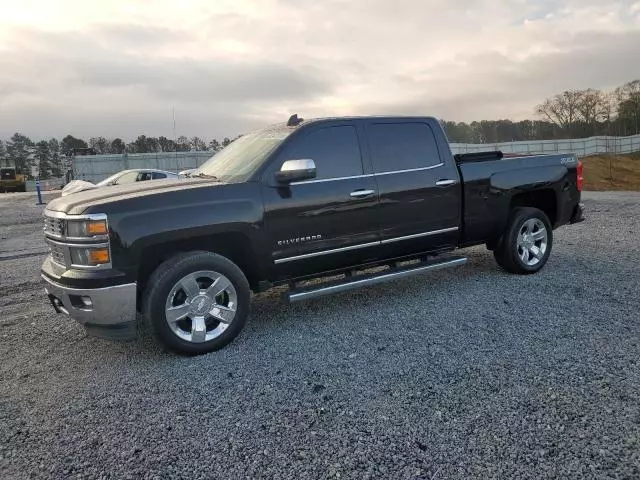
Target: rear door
[[420, 193], [327, 222]]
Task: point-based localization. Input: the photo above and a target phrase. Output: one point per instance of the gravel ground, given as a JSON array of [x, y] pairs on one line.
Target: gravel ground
[[467, 373]]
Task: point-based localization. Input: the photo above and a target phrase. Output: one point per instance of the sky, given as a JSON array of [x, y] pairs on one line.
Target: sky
[[120, 68]]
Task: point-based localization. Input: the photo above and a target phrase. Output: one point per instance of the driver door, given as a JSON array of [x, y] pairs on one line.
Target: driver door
[[329, 221]]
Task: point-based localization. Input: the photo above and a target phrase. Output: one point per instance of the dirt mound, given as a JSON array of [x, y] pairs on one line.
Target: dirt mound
[[612, 172]]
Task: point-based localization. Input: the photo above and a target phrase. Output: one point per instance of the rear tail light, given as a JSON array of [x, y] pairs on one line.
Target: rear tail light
[[580, 175]]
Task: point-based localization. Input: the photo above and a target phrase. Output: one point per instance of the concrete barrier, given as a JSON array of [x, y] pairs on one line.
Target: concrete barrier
[[45, 185]]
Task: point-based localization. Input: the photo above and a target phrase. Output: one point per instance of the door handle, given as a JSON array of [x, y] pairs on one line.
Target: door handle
[[361, 193], [442, 183]]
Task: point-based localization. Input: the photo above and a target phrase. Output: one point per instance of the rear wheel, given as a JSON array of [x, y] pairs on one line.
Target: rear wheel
[[196, 302], [526, 243]]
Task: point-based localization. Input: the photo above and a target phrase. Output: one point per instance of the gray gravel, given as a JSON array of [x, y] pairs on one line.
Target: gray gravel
[[467, 373]]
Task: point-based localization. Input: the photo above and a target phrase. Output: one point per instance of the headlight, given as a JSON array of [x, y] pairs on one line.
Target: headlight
[[86, 228], [90, 256]]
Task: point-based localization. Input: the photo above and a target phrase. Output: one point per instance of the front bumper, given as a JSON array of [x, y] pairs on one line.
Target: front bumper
[[578, 214], [106, 312]]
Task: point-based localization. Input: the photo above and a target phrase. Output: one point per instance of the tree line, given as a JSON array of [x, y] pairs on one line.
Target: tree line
[[53, 158], [570, 114]]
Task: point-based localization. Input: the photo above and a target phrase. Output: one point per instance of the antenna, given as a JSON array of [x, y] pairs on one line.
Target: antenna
[[294, 121]]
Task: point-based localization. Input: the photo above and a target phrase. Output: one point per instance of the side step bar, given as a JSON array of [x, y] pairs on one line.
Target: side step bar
[[351, 282]]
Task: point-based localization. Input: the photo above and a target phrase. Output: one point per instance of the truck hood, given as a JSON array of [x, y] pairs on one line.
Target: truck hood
[[76, 186], [76, 203]]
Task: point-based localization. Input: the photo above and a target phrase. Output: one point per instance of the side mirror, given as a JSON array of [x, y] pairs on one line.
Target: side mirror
[[296, 171]]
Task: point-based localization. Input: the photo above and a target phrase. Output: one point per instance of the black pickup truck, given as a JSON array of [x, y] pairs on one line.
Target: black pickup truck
[[290, 203]]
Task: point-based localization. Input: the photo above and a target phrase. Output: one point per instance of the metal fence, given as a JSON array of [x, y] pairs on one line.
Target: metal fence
[[581, 147], [94, 168]]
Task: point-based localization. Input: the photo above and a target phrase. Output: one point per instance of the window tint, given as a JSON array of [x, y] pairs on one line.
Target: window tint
[[335, 151], [158, 175], [402, 146], [128, 177]]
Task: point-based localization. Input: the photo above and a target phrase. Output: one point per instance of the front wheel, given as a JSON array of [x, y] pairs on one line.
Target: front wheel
[[196, 302], [526, 243]]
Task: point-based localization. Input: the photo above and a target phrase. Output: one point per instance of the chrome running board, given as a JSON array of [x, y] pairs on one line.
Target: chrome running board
[[352, 281]]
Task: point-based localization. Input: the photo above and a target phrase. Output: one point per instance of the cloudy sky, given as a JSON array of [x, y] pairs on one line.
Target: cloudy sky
[[118, 67]]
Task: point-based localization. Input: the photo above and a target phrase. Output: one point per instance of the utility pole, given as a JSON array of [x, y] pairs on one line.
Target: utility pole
[[175, 139]]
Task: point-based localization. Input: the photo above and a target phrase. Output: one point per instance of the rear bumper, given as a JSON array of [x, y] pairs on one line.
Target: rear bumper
[[578, 214], [106, 312]]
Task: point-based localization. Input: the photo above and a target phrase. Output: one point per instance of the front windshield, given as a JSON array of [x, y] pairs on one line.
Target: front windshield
[[107, 181], [238, 160]]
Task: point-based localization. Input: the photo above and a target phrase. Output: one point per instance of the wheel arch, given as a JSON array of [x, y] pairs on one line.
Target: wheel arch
[[236, 246], [544, 199]]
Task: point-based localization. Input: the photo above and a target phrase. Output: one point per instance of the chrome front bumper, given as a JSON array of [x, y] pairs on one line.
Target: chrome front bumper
[[99, 307]]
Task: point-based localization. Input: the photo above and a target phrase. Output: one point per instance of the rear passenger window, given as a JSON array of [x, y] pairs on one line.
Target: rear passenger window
[[402, 146], [335, 151]]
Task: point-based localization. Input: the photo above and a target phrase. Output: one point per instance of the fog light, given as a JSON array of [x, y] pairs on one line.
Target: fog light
[[98, 256], [86, 301]]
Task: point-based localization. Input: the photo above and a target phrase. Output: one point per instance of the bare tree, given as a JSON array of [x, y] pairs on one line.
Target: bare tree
[[629, 106], [562, 109], [590, 105]]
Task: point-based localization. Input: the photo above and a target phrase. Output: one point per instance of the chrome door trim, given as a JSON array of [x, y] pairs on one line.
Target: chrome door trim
[[325, 252], [367, 175], [323, 180], [363, 245], [411, 169], [418, 235]]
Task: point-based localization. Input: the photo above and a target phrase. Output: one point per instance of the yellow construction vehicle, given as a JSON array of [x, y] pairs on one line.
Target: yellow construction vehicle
[[12, 180]]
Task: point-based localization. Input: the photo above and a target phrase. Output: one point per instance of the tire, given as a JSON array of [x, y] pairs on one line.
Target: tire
[[181, 308], [528, 230]]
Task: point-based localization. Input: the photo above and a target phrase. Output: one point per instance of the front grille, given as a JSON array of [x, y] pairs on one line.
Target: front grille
[[57, 253], [54, 226]]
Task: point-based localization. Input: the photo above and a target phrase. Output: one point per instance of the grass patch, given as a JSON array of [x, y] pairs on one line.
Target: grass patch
[[612, 172]]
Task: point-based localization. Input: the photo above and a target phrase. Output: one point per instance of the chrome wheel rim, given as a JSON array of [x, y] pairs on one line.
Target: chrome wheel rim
[[201, 306], [532, 242]]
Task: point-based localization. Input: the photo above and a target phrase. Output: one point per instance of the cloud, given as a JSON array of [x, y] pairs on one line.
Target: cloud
[[118, 68]]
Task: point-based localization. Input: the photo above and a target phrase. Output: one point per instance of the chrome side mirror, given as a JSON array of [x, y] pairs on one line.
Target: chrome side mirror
[[296, 171]]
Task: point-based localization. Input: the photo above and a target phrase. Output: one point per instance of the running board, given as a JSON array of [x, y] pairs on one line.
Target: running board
[[353, 281]]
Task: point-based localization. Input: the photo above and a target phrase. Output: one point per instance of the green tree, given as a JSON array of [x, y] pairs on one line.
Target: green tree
[[166, 145], [225, 142], [56, 158], [183, 144], [214, 145], [70, 143], [198, 144], [43, 158], [99, 144], [3, 154], [117, 146], [20, 152]]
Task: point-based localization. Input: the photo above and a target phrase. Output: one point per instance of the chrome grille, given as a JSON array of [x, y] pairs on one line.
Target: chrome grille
[[57, 253], [54, 226]]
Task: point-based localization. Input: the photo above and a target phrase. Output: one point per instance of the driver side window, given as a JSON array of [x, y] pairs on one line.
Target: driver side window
[[335, 151]]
